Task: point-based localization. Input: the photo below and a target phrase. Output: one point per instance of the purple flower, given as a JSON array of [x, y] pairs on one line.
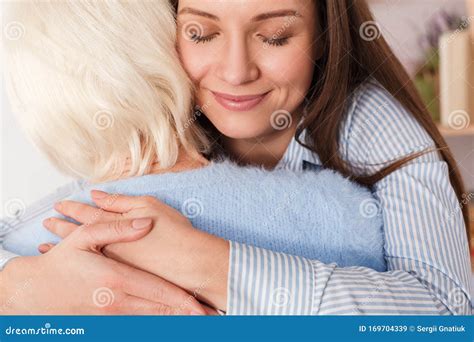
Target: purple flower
[[439, 23]]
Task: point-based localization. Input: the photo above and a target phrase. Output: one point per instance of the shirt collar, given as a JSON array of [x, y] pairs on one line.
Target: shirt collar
[[297, 157]]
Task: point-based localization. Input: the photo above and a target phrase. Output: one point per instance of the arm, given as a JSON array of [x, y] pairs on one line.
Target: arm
[[174, 249], [46, 284]]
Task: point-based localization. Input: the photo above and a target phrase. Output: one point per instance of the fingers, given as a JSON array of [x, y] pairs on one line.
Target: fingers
[[210, 311], [132, 305], [120, 203], [153, 288], [84, 213], [98, 235], [60, 227], [45, 247]]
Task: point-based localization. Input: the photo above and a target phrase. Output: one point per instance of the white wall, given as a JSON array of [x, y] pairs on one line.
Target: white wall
[[403, 21], [25, 175]]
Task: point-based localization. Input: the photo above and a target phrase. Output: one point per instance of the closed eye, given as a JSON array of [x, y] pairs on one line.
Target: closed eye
[[274, 41], [203, 39]]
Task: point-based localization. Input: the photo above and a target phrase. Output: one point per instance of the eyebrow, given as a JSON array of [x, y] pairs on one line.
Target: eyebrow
[[189, 10], [276, 14], [260, 17]]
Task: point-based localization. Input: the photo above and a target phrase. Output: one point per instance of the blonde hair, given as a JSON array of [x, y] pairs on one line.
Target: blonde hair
[[98, 82]]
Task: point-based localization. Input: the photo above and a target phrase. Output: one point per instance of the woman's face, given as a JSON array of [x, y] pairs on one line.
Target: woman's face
[[251, 61]]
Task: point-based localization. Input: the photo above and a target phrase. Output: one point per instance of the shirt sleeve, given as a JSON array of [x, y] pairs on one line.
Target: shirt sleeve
[[30, 214], [5, 257], [426, 247]]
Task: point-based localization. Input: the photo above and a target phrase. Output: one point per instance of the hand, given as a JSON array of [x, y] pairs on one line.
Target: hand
[[174, 249], [75, 278]]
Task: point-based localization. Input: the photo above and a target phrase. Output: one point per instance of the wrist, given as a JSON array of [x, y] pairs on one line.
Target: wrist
[[14, 281], [193, 260], [209, 270]]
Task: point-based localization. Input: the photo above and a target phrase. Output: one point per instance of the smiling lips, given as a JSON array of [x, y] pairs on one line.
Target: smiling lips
[[238, 103]]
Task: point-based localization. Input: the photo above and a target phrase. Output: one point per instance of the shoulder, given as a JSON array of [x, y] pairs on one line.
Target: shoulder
[[378, 129], [18, 214]]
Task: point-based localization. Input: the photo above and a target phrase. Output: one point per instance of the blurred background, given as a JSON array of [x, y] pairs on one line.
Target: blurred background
[[434, 39], [431, 38]]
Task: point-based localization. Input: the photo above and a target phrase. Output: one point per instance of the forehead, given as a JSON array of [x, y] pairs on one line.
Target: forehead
[[247, 9]]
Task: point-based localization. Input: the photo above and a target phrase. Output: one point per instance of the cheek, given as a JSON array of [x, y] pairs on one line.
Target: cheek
[[195, 67], [291, 72]]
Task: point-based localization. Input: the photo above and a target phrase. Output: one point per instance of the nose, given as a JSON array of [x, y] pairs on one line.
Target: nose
[[236, 65]]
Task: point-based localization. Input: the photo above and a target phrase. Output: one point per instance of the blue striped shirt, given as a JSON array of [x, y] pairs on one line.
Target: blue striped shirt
[[426, 246]]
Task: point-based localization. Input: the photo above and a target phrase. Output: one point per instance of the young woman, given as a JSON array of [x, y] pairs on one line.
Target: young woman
[[353, 109], [83, 56]]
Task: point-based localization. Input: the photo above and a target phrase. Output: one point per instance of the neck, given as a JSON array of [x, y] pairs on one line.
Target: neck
[[186, 161], [264, 151]]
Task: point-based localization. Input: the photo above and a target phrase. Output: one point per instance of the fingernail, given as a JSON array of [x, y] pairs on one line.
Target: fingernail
[[46, 222], [98, 194], [141, 223], [58, 206], [195, 313]]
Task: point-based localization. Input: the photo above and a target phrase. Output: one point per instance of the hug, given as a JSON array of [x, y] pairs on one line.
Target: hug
[[231, 158]]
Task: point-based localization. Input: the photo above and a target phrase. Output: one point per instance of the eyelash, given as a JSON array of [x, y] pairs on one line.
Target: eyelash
[[275, 41], [271, 41], [200, 39]]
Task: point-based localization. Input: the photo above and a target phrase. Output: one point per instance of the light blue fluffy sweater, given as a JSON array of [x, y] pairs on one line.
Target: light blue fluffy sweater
[[315, 214]]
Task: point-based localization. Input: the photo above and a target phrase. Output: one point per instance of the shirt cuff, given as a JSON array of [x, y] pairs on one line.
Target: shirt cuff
[[5, 257], [262, 282]]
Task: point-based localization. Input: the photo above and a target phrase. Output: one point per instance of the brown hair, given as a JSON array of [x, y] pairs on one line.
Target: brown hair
[[343, 72], [339, 73]]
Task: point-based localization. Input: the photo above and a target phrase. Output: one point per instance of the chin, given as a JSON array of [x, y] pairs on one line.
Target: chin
[[240, 130]]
